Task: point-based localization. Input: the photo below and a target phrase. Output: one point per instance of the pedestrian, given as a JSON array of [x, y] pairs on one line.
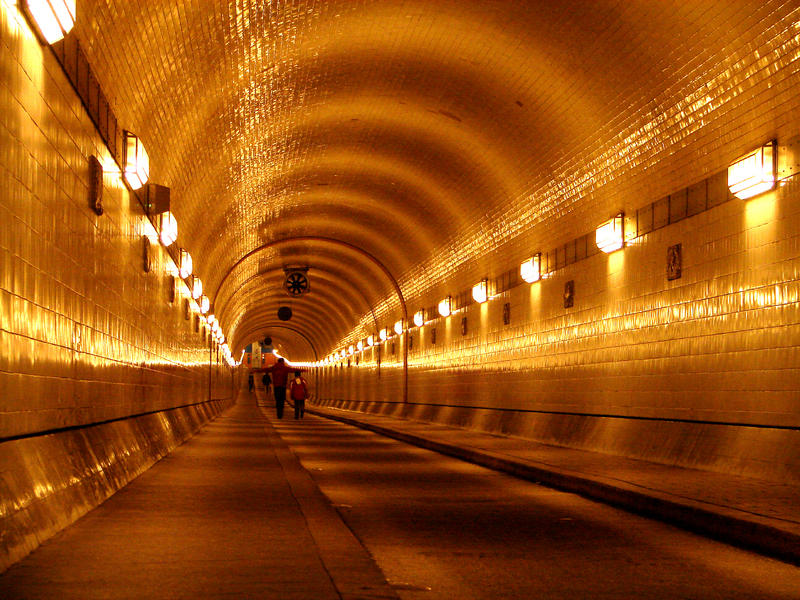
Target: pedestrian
[[266, 381], [250, 384], [298, 392], [280, 372]]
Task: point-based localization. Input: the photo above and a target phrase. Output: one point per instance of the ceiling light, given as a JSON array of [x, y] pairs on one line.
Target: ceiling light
[[609, 236], [53, 19], [137, 163], [530, 270], [754, 173], [398, 327], [196, 286], [169, 229], [480, 291], [445, 307], [184, 264]]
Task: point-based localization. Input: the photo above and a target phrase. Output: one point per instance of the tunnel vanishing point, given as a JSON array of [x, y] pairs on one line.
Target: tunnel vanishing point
[[576, 223]]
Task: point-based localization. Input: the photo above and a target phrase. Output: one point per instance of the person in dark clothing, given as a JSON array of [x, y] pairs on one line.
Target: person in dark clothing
[[298, 391], [280, 371], [250, 384], [266, 381]]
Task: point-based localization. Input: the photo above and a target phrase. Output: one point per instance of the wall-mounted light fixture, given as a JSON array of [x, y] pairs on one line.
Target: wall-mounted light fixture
[[370, 340], [383, 334], [136, 161], [531, 269], [398, 327], [350, 349], [610, 235], [52, 19], [480, 291], [419, 318], [445, 307], [184, 264], [196, 286], [169, 229], [205, 304], [360, 345], [753, 173]]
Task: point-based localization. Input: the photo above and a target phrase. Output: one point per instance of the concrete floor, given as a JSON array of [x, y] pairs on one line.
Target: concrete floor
[[229, 514], [441, 528], [233, 514]]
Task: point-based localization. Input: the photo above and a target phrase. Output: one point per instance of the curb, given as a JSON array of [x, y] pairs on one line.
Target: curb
[[723, 524]]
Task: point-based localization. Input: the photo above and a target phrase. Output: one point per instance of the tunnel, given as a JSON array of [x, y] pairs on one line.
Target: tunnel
[[537, 264]]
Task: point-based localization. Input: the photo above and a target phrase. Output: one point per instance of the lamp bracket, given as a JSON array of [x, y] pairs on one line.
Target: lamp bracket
[[789, 158], [156, 198]]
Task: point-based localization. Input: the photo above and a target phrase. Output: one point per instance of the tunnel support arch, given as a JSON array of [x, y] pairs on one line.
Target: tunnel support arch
[[350, 247]]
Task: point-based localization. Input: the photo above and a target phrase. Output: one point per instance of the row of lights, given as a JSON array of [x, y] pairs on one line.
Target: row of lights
[[609, 237], [52, 20], [752, 174], [137, 172]]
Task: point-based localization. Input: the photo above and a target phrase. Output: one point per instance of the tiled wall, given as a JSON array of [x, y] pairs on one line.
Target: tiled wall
[[702, 371], [92, 350], [85, 334]]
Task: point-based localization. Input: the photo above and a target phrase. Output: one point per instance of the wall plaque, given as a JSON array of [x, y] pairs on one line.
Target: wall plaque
[[674, 262]]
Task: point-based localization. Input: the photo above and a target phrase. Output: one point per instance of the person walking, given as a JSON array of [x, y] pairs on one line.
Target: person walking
[[280, 372], [266, 381], [298, 392]]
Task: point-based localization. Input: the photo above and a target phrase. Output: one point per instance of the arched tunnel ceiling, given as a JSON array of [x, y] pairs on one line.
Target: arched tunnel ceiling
[[430, 135]]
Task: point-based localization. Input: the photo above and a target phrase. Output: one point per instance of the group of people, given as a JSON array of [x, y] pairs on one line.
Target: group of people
[[298, 387]]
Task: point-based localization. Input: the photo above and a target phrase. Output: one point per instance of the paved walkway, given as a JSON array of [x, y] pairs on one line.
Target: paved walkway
[[756, 514], [229, 514]]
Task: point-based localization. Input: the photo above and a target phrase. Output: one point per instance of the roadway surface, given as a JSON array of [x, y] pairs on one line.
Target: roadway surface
[[440, 528]]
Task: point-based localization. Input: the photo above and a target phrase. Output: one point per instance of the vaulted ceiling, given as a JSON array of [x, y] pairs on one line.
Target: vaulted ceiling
[[391, 145]]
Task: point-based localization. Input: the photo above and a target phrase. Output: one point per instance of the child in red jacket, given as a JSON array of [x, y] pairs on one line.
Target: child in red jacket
[[298, 392]]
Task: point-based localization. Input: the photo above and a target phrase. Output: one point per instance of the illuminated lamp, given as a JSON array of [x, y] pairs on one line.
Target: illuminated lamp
[[52, 19], [221, 338], [196, 286], [419, 318], [370, 340], [480, 291], [753, 173], [136, 161], [531, 269], [169, 229], [205, 304], [351, 349], [383, 334], [398, 327], [609, 236], [445, 307], [360, 345], [343, 353], [184, 264]]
